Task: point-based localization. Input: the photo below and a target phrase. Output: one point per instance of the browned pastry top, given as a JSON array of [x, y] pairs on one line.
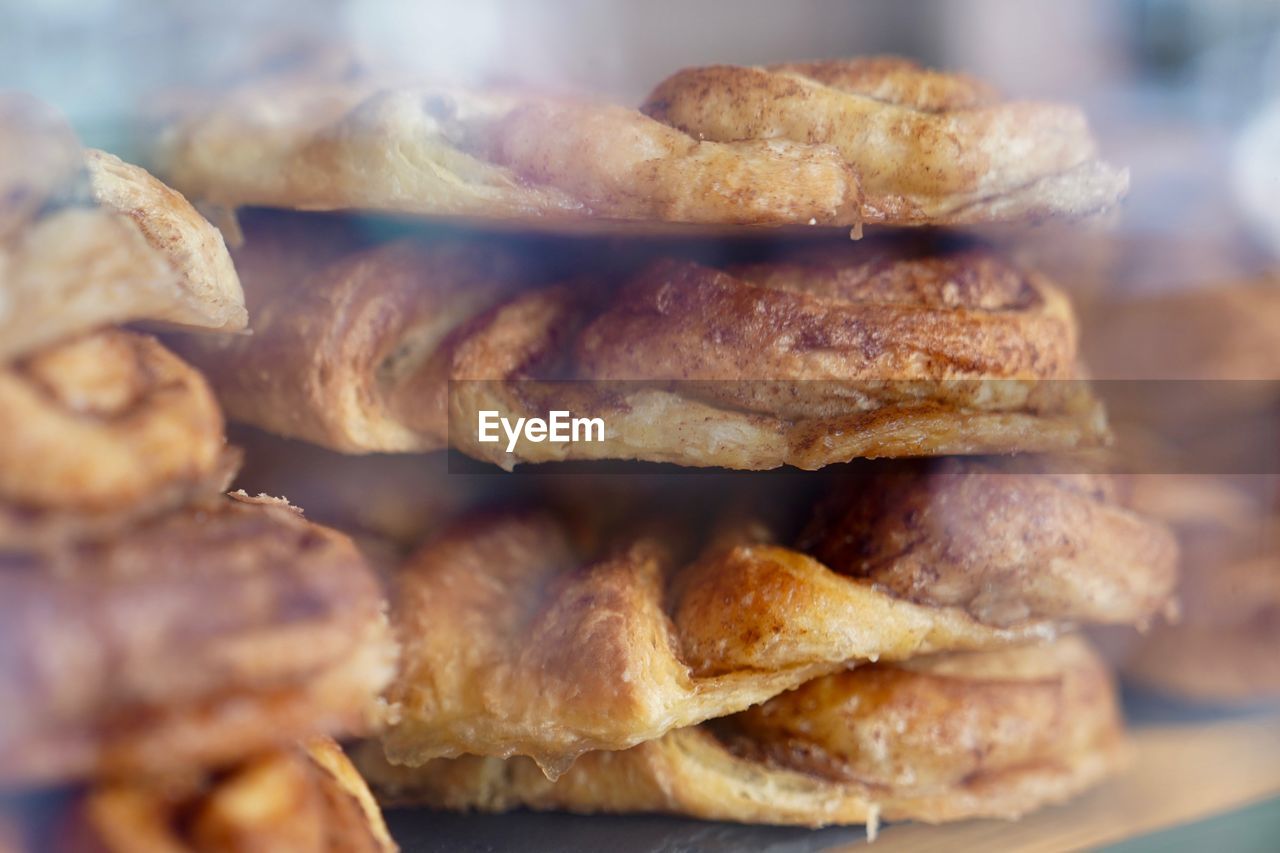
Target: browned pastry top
[[992, 734], [308, 799], [198, 637], [105, 423], [833, 143], [1002, 540], [927, 147], [887, 349], [609, 640]]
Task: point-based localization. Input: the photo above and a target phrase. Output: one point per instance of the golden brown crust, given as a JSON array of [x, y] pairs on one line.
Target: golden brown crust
[[1005, 541], [826, 143], [193, 640], [210, 296], [572, 648], [870, 352], [88, 241], [104, 424], [928, 148], [495, 154], [306, 799], [989, 734], [1223, 649]]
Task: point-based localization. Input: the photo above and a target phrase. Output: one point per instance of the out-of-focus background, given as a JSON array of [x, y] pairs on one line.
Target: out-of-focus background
[[1185, 91]]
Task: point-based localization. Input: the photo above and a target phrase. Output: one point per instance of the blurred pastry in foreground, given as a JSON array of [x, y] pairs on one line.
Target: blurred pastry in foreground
[[194, 640], [304, 798], [1224, 647], [101, 430], [89, 241], [990, 734], [929, 147], [835, 143], [882, 349], [584, 639]]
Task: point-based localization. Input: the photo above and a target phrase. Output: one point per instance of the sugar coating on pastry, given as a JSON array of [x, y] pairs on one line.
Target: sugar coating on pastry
[[838, 143], [304, 798], [877, 350], [197, 639], [986, 734], [574, 647], [928, 147]]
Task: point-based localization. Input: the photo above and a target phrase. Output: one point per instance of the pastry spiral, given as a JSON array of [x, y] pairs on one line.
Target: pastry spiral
[[102, 429], [841, 144], [574, 647], [880, 350], [197, 639], [928, 148], [989, 734], [307, 798]]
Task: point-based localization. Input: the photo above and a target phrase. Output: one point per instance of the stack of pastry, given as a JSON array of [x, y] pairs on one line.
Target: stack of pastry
[[904, 650], [168, 650]]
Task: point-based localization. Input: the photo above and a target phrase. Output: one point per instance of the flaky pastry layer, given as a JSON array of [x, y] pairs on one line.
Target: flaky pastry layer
[[992, 734], [87, 241], [879, 350], [837, 143], [586, 640]]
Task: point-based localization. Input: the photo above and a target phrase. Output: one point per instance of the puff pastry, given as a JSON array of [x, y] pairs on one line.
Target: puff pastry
[[993, 734], [586, 639], [194, 640], [929, 148], [837, 143], [879, 350], [1224, 648], [101, 430], [88, 241], [309, 798]]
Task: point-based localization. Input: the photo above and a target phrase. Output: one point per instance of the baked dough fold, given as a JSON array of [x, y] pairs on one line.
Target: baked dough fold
[[197, 639], [877, 350], [588, 640], [928, 148], [990, 734], [839, 143], [88, 241]]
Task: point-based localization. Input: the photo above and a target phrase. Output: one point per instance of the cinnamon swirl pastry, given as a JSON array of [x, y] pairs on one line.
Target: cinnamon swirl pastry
[[928, 147], [878, 350], [587, 640], [101, 430], [195, 640], [991, 734], [88, 241], [305, 799], [840, 143], [1224, 647]]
